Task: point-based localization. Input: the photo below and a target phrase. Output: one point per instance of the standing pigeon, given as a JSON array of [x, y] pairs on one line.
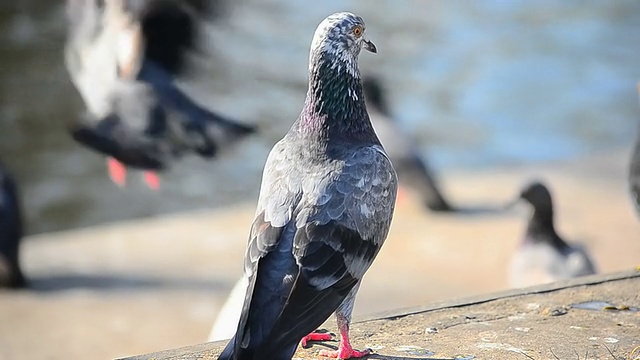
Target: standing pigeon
[[634, 169], [10, 232], [122, 56], [325, 207], [543, 256], [412, 169]]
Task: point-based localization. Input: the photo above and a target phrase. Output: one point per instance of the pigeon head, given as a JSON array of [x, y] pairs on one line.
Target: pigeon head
[[335, 106], [339, 39], [538, 196]]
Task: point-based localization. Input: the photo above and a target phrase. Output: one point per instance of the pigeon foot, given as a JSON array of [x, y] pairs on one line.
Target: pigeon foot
[[316, 336], [346, 352]]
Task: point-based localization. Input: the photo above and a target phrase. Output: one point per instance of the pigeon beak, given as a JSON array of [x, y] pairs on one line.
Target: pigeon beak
[[369, 46]]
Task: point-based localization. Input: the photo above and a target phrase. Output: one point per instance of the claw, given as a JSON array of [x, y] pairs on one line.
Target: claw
[[346, 353]]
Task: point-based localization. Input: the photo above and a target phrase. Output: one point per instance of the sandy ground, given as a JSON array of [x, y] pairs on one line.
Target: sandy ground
[[155, 284]]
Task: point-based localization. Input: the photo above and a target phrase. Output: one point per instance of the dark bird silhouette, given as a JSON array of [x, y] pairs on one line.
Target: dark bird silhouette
[[634, 168], [123, 56], [325, 206], [412, 169], [10, 232], [543, 256]]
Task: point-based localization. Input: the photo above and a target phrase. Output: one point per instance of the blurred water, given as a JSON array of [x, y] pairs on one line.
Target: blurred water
[[478, 83]]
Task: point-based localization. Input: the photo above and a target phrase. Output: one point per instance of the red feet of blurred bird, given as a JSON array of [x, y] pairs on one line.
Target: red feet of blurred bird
[[152, 180], [117, 171], [118, 174]]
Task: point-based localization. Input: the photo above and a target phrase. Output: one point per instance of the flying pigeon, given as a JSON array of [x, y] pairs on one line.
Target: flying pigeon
[[543, 256], [412, 169], [325, 206], [634, 169], [122, 56], [10, 232]]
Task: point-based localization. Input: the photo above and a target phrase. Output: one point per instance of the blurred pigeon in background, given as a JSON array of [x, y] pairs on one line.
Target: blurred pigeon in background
[[10, 232], [326, 202], [543, 256], [123, 56], [411, 167]]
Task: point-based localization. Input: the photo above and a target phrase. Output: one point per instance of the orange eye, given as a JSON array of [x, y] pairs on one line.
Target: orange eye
[[357, 31]]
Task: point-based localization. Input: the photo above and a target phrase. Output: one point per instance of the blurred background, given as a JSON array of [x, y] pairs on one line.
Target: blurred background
[[479, 85], [493, 92]]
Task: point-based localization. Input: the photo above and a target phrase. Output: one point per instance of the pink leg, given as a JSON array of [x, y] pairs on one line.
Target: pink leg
[[345, 351], [315, 336], [152, 180], [117, 171]]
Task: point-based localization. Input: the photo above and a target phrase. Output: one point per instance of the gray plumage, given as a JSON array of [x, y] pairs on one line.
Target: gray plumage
[[123, 56], [10, 232], [543, 256], [325, 206], [413, 170]]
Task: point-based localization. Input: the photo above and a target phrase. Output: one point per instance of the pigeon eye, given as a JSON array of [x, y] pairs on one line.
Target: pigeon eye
[[357, 31]]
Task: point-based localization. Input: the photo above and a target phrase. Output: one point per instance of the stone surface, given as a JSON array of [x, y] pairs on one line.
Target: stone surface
[[542, 322]]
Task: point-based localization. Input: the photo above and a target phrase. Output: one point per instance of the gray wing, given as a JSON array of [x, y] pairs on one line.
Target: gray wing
[[340, 230], [266, 268], [319, 236], [361, 200]]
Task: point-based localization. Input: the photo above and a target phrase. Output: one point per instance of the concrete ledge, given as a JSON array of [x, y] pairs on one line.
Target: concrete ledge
[[540, 322]]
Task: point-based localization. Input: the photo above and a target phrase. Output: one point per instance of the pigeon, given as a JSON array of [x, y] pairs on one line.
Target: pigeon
[[10, 232], [543, 256], [411, 167], [325, 207], [634, 169], [123, 56]]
